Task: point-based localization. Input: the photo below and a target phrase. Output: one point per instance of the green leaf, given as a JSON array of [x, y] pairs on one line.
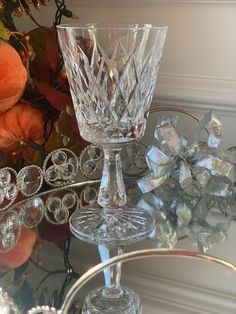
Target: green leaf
[[4, 33], [10, 284], [7, 280], [15, 287]]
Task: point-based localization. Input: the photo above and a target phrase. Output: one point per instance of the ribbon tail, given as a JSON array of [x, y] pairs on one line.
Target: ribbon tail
[[149, 182]]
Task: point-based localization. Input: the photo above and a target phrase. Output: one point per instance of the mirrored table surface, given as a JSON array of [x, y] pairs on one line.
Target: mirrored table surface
[[41, 260]]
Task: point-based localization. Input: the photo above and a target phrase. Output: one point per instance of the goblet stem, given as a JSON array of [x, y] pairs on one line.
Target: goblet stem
[[112, 195], [112, 275]]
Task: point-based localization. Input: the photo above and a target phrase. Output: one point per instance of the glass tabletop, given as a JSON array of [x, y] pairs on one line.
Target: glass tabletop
[[40, 259]]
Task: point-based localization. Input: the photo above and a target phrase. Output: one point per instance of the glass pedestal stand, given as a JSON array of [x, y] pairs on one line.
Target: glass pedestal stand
[[111, 228], [112, 222], [113, 298]]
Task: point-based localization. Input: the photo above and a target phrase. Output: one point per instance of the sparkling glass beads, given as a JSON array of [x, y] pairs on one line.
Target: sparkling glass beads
[[60, 167]]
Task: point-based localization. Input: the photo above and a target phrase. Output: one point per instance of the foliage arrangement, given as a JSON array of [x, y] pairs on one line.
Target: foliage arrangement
[[36, 110], [36, 114]]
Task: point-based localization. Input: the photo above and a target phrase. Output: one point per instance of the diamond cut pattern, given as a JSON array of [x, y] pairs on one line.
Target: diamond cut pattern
[[112, 85]]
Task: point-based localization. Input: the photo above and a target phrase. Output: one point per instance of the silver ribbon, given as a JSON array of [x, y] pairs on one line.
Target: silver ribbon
[[202, 175]]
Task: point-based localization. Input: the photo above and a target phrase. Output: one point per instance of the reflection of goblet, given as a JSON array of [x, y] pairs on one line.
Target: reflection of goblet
[[112, 72]]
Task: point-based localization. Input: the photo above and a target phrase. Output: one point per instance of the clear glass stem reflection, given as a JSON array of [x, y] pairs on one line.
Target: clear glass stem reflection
[[112, 275], [112, 195]]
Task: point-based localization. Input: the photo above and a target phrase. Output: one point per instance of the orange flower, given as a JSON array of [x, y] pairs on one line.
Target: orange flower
[[19, 126], [13, 76]]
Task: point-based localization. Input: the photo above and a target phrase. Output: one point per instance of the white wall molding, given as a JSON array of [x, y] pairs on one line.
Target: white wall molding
[[162, 295], [199, 92]]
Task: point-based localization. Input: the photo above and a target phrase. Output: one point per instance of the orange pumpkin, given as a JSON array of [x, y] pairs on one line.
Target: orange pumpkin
[[13, 76], [21, 252], [20, 125]]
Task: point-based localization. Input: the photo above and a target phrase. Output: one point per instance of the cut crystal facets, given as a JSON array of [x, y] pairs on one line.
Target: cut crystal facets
[[59, 158], [69, 200], [73, 161], [95, 152], [89, 167], [8, 187], [11, 191], [30, 180], [60, 167], [59, 205], [53, 173], [112, 87], [5, 177], [133, 159], [62, 215], [2, 195], [91, 161], [90, 194], [67, 171], [3, 229], [53, 204], [32, 212], [9, 230], [8, 240], [12, 222]]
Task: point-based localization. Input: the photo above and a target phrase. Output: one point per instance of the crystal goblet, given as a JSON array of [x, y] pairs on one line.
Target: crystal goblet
[[112, 71]]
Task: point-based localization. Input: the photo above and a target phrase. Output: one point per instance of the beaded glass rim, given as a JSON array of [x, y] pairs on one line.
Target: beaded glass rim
[[30, 179]]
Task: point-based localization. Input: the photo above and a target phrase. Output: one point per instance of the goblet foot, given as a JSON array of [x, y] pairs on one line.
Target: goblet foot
[[126, 302], [121, 227]]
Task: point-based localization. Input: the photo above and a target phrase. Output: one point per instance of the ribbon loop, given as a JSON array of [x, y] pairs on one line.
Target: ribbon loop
[[189, 181]]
